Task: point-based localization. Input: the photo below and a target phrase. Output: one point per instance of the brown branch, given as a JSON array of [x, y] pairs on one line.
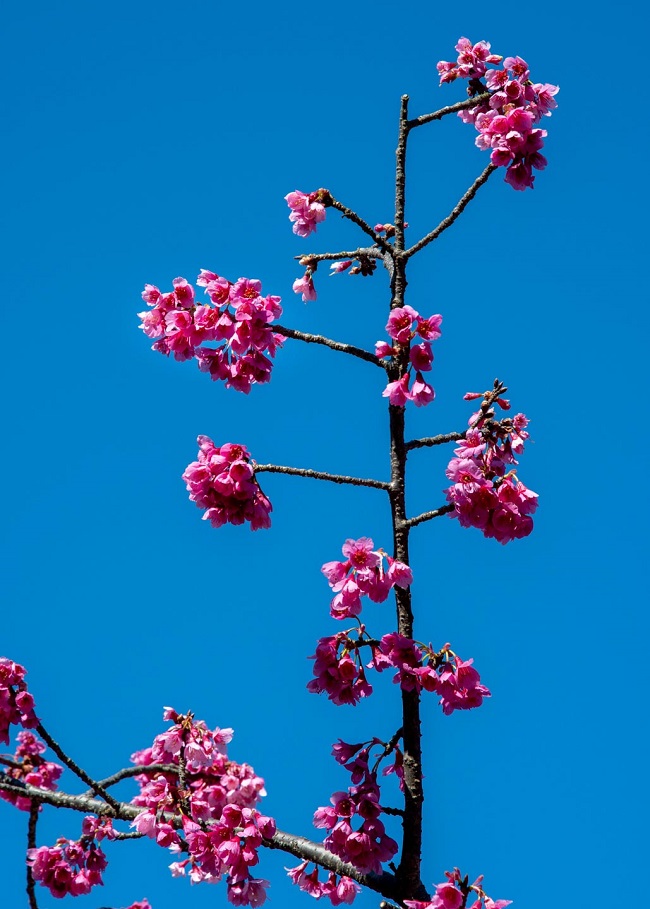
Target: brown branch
[[138, 769], [454, 214], [31, 844], [319, 475], [436, 440], [370, 252], [356, 219], [327, 342], [451, 109], [429, 515], [400, 174]]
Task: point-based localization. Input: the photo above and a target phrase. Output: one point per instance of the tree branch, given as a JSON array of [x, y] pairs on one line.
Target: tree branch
[[451, 217], [451, 109], [319, 475], [356, 219], [327, 342], [31, 844], [429, 515], [370, 252], [436, 440]]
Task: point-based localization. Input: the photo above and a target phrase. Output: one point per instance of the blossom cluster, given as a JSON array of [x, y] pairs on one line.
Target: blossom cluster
[[420, 668], [238, 318], [16, 703], [454, 894], [307, 210], [336, 889], [339, 671], [28, 766], [223, 482], [72, 867], [214, 806], [404, 325], [363, 574], [483, 494], [506, 123]]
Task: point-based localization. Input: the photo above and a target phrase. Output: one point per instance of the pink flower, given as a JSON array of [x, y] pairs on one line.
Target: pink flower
[[399, 323], [337, 267], [307, 210], [305, 286], [398, 392]]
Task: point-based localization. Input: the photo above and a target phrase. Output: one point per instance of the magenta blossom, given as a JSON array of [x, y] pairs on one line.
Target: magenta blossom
[[363, 574], [307, 210]]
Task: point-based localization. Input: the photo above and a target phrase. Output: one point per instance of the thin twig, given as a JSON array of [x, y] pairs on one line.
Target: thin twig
[[365, 227], [31, 844], [370, 252], [76, 769], [451, 109], [451, 217], [138, 769], [327, 342], [435, 440], [319, 475], [429, 515]]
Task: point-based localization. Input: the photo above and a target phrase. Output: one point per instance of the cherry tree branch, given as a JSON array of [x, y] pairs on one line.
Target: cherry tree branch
[[356, 219], [370, 252], [319, 475], [31, 844], [454, 214], [450, 109], [435, 440], [327, 342], [429, 515]]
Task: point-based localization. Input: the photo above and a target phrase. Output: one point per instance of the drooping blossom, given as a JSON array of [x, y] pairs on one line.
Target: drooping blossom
[[455, 892], [216, 809], [16, 702], [507, 121], [307, 210], [236, 323], [486, 492], [305, 286], [338, 670], [337, 889], [405, 326], [72, 867], [223, 482], [363, 574], [28, 766]]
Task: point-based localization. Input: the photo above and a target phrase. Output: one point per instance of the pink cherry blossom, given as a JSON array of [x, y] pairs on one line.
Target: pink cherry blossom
[[307, 210], [362, 574], [28, 766], [305, 286]]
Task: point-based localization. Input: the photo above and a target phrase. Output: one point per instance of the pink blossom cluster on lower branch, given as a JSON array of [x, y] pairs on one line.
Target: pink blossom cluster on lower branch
[[215, 801], [483, 494], [404, 325], [506, 123], [455, 892], [363, 574], [223, 482], [72, 867], [239, 319], [28, 766], [16, 703]]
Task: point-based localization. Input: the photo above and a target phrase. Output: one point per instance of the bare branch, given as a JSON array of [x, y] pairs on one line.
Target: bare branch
[[327, 342], [436, 440], [429, 515], [31, 844], [138, 769], [451, 109], [365, 227], [319, 475], [454, 214], [370, 252]]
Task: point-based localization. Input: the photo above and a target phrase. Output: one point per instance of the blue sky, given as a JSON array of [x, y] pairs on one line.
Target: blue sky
[[144, 141]]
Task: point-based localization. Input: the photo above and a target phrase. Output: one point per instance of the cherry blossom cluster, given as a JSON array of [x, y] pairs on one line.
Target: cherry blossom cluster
[[28, 766], [238, 318], [307, 210], [484, 495], [363, 574], [422, 669], [212, 799], [336, 889], [506, 123], [404, 326], [338, 670], [223, 482], [16, 703], [368, 845], [455, 892], [72, 867]]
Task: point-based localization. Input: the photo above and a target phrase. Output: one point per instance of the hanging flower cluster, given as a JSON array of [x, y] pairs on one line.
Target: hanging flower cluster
[[307, 210], [220, 824], [455, 892], [73, 867], [405, 324], [28, 766], [484, 495], [363, 574], [16, 703], [336, 889], [223, 482], [238, 319], [506, 123], [338, 670]]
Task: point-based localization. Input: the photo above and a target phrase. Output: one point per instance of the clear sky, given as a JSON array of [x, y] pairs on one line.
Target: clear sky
[[146, 140]]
